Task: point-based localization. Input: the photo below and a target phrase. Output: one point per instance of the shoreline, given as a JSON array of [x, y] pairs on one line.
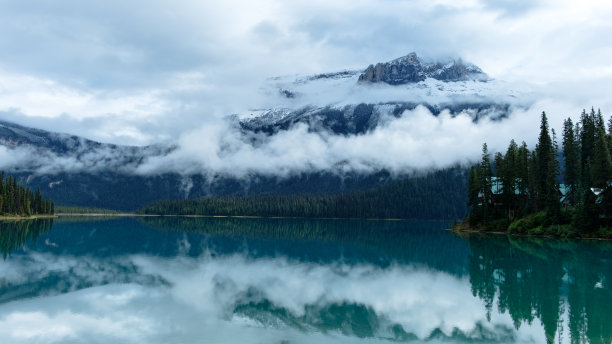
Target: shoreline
[[32, 217], [57, 215], [476, 231], [236, 217], [100, 215], [458, 231]]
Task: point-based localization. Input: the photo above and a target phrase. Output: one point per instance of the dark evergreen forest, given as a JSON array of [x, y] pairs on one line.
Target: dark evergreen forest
[[524, 190], [18, 200], [437, 195]]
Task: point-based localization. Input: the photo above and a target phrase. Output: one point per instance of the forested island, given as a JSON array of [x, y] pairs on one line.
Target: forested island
[[16, 200], [565, 192], [437, 195]]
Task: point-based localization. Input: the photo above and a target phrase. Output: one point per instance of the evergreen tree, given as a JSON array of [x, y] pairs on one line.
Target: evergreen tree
[[473, 187], [601, 168], [485, 174], [499, 171], [509, 178], [610, 134], [586, 218], [532, 201], [572, 160], [553, 206], [522, 171], [587, 146], [545, 167]]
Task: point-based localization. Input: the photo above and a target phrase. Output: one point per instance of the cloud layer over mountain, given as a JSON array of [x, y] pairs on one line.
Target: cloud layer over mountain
[[146, 72], [416, 141]]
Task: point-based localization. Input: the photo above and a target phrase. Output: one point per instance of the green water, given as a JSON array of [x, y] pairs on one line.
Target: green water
[[185, 280]]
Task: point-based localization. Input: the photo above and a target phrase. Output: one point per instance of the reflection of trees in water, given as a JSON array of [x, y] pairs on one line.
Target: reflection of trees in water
[[539, 278], [563, 284], [15, 234], [590, 297], [405, 241]]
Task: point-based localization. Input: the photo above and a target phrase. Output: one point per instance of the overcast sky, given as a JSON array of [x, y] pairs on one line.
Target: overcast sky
[[140, 72], [143, 71]]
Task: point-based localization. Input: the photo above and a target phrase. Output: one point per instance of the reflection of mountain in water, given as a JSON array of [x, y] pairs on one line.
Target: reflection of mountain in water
[[351, 267], [359, 320], [543, 278]]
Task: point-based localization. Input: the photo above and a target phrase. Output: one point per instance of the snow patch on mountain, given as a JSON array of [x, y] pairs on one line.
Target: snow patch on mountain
[[319, 92]]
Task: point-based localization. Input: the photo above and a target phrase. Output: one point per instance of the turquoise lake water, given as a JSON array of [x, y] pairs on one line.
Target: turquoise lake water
[[214, 280]]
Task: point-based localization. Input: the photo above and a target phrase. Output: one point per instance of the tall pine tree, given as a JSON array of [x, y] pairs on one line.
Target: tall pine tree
[[485, 174], [572, 160], [601, 168], [546, 172]]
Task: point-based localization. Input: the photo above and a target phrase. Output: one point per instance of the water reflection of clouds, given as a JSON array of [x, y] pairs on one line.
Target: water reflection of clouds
[[148, 299]]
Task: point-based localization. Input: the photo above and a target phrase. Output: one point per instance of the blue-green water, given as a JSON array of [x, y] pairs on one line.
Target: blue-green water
[[186, 280]]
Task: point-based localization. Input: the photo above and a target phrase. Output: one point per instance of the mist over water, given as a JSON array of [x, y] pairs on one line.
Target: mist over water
[[295, 281]]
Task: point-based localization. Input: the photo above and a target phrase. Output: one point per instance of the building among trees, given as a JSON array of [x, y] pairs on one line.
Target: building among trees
[[525, 182]]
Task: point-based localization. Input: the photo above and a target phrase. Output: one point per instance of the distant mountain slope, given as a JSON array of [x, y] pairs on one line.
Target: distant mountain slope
[[128, 192], [104, 176], [86, 153]]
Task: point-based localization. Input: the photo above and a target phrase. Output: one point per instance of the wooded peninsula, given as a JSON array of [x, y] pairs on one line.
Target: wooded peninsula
[[563, 192]]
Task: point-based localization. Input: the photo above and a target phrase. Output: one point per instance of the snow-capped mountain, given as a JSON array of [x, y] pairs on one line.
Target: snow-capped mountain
[[76, 171], [412, 69], [354, 102]]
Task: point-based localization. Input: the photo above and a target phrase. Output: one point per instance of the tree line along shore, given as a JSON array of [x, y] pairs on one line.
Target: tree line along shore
[[437, 195], [556, 191], [17, 201]]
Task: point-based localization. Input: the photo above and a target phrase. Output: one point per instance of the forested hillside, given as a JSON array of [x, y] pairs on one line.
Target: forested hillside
[[438, 195]]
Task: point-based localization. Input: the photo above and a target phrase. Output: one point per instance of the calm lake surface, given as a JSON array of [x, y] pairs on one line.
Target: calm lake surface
[[186, 280]]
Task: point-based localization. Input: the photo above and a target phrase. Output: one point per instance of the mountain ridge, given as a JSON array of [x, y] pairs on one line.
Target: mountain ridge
[[411, 69]]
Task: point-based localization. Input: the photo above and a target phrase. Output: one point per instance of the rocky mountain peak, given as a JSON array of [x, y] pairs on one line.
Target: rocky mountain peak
[[412, 69]]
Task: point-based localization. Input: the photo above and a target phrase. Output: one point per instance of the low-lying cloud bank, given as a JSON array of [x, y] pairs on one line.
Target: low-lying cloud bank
[[416, 141]]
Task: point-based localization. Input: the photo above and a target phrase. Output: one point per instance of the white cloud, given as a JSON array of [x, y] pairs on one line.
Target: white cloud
[[47, 98], [416, 141]]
